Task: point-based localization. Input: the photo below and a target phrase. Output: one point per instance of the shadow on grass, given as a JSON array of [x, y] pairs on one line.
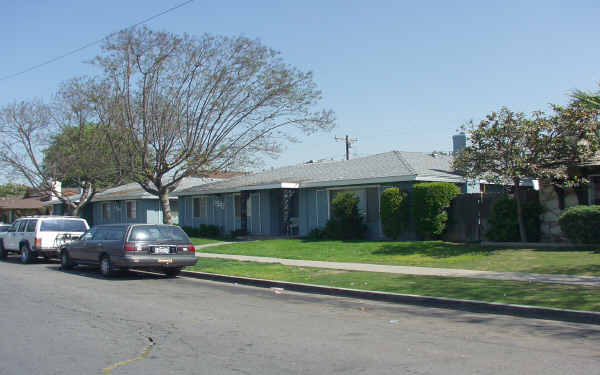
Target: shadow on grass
[[434, 249]]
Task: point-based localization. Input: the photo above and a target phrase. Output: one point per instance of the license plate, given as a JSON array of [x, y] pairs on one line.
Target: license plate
[[165, 260], [161, 250]]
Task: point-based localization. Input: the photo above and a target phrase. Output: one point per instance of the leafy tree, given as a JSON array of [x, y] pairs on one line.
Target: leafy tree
[[188, 106], [506, 147], [12, 190], [586, 99], [45, 143], [394, 212]]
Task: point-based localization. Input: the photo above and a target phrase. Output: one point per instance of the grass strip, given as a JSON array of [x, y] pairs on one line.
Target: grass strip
[[426, 254], [203, 241], [512, 292]]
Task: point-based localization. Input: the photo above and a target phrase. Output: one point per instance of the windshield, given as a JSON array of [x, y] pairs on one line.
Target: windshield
[[63, 226], [158, 233]]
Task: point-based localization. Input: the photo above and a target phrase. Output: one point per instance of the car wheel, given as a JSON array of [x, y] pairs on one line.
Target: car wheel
[[27, 255], [3, 252], [106, 267], [172, 272], [65, 261]]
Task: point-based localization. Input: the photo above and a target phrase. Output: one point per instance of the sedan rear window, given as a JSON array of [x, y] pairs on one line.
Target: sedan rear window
[[63, 226], [158, 233]]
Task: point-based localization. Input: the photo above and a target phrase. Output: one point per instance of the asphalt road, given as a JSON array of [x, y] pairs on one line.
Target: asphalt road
[[55, 322]]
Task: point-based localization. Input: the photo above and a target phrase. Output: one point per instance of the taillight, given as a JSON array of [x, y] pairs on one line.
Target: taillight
[[130, 246], [37, 243], [191, 248]]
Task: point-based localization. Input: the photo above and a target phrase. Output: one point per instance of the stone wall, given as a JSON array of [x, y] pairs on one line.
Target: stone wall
[[549, 220]]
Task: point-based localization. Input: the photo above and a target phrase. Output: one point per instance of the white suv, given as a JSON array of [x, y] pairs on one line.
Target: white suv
[[33, 236]]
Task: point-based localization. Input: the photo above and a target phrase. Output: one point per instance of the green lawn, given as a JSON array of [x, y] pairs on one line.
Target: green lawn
[[203, 241], [535, 294], [425, 254]]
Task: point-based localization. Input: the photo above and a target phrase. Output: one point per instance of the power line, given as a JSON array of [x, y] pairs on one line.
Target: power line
[[94, 42]]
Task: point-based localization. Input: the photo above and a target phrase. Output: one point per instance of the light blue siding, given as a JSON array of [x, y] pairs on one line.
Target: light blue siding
[[147, 212]]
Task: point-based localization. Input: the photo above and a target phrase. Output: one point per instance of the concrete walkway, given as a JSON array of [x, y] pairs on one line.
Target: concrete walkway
[[407, 270]]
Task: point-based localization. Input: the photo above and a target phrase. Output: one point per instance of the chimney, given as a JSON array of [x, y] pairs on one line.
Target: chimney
[[57, 186], [459, 141]]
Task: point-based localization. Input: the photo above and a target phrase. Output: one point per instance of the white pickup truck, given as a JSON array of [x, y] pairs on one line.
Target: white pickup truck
[[34, 236]]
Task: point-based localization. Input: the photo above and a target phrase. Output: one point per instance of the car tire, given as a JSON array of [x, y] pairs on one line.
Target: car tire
[[27, 256], [106, 267], [172, 272], [65, 261], [3, 252]]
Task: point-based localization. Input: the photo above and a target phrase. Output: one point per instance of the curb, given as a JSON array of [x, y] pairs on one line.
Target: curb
[[524, 311]]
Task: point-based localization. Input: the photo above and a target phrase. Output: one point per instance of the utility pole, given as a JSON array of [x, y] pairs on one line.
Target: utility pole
[[348, 144]]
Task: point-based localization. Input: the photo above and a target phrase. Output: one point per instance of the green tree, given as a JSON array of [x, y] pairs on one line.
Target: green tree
[[189, 106], [587, 99], [394, 212], [12, 190], [507, 147], [45, 143]]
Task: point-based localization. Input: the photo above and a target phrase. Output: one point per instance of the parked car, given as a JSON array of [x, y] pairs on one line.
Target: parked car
[[4, 227], [122, 246], [33, 236]]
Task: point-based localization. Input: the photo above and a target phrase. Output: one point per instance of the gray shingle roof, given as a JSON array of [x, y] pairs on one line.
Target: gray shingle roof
[[389, 166], [135, 191]]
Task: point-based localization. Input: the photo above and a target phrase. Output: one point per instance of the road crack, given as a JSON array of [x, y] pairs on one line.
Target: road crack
[[144, 355]]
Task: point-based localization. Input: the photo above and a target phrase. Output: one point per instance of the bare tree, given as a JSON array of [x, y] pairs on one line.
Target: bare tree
[[46, 143], [189, 106]]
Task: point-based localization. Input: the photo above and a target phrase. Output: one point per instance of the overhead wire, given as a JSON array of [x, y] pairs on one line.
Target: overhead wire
[[13, 75]]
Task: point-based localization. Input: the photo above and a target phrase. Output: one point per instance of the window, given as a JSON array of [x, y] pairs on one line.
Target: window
[[106, 210], [130, 206], [115, 235], [200, 207], [158, 233], [595, 190], [31, 225], [100, 235], [237, 205], [88, 235], [22, 224], [63, 225]]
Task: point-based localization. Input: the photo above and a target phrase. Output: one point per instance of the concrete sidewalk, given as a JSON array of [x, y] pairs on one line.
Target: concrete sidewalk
[[407, 270]]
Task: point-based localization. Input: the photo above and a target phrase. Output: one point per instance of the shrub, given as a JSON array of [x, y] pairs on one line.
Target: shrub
[[504, 221], [429, 203], [394, 212], [580, 224], [204, 230], [317, 234], [238, 233], [346, 222]]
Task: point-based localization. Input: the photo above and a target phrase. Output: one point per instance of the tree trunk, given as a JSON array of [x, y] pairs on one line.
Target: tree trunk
[[522, 230], [74, 211], [166, 208]]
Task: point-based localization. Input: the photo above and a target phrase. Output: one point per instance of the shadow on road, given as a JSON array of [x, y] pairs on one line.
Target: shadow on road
[[94, 273]]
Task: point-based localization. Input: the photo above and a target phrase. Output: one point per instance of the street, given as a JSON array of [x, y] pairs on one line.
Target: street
[[76, 322]]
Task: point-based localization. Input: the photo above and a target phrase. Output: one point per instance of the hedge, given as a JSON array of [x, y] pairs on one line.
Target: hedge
[[430, 201], [394, 212], [581, 224]]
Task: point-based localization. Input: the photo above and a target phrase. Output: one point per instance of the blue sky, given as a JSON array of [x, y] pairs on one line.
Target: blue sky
[[399, 75]]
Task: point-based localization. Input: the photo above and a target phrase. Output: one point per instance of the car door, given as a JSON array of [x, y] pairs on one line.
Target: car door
[[9, 242], [93, 247], [18, 235], [76, 247]]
